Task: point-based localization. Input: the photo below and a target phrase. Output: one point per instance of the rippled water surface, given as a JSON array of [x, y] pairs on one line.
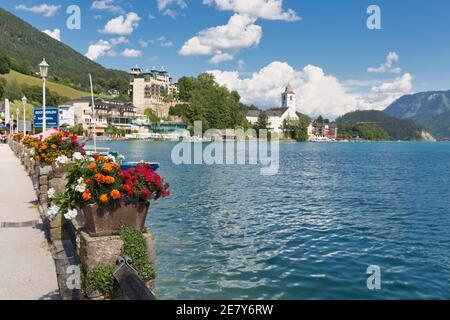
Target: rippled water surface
[[309, 232]]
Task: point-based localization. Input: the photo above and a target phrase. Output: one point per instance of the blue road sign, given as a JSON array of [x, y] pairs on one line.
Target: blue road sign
[[52, 117]]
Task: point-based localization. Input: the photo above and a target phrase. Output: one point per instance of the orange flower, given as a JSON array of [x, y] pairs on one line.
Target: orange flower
[[104, 198], [99, 177], [92, 166], [43, 155], [87, 195], [88, 182], [115, 194], [108, 180], [107, 167], [36, 158], [116, 166], [53, 146]]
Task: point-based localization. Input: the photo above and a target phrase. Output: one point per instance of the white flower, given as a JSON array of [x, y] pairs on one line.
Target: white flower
[[51, 193], [81, 187], [78, 156], [91, 159], [62, 160], [110, 156], [71, 214], [32, 152], [53, 211]]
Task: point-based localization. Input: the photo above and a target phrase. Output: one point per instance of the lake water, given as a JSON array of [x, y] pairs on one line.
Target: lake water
[[309, 232]]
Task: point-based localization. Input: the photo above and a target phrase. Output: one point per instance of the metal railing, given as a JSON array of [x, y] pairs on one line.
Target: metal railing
[[132, 287]]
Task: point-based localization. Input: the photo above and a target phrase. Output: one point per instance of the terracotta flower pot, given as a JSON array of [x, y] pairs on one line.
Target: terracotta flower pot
[[107, 220]]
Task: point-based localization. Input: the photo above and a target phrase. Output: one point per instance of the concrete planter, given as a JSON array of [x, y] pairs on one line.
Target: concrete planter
[[107, 220]]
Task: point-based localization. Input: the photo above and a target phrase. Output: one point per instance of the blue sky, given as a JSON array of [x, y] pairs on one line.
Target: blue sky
[[322, 47]]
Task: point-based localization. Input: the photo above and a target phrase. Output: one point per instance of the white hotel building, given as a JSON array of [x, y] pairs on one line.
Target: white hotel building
[[149, 89]]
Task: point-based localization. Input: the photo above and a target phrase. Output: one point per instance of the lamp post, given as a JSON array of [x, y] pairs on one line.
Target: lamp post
[[11, 125], [17, 121], [43, 68], [24, 103]]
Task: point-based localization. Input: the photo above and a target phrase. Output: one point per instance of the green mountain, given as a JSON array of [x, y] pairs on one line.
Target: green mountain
[[430, 109], [396, 129], [25, 46]]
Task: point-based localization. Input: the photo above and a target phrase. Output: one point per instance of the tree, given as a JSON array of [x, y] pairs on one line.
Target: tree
[[112, 130], [152, 117], [77, 130], [210, 103], [5, 64], [2, 88], [185, 87], [297, 129]]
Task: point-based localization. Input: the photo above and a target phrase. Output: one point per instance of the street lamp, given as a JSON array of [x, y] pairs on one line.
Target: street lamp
[[24, 103], [11, 126], [43, 68], [17, 121]]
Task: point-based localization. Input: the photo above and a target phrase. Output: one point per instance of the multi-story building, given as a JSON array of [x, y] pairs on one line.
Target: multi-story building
[[114, 112], [150, 89]]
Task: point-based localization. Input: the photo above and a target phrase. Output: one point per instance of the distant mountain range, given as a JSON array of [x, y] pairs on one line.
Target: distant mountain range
[[396, 129], [25, 46], [430, 109]]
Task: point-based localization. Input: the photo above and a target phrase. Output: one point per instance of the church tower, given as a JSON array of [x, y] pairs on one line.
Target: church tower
[[288, 98]]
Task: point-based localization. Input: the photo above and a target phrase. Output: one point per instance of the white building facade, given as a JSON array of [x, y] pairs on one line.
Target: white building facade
[[276, 117], [149, 89]]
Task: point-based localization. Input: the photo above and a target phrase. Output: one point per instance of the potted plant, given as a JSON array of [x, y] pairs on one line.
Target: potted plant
[[56, 145], [108, 197]]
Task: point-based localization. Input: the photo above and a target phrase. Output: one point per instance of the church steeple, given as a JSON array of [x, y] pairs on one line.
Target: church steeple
[[288, 98]]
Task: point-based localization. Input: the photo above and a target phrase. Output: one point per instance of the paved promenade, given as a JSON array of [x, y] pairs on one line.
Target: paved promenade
[[27, 270]]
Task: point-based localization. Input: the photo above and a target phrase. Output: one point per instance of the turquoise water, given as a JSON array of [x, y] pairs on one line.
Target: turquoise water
[[309, 232]]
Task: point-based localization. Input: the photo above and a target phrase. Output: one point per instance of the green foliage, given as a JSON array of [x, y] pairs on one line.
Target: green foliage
[[185, 87], [114, 131], [77, 130], [397, 129], [152, 117], [101, 279], [26, 46], [366, 131], [262, 123], [297, 129], [210, 103], [178, 110], [2, 88], [13, 90], [135, 248], [5, 65]]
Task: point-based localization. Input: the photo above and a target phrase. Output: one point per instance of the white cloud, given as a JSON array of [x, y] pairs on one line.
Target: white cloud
[[131, 53], [98, 49], [44, 9], [265, 9], [143, 43], [106, 48], [164, 6], [317, 92], [119, 40], [55, 34], [391, 58], [221, 57], [122, 25], [106, 5], [240, 32]]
